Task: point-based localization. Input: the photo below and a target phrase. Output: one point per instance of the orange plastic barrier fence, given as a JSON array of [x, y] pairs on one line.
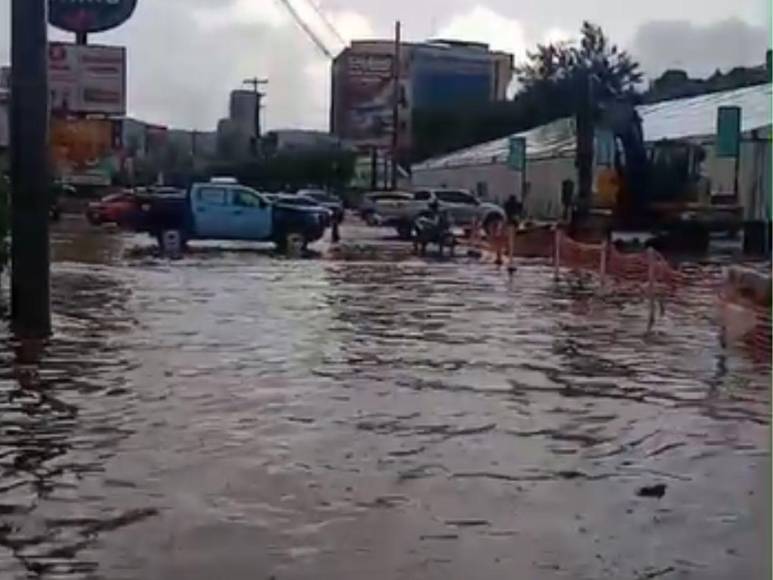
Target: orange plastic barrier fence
[[747, 322]]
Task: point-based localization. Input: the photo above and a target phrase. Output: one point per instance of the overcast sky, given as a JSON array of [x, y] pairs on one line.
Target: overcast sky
[[186, 55]]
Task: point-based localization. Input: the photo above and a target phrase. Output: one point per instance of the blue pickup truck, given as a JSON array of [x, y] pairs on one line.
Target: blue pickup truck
[[229, 211]]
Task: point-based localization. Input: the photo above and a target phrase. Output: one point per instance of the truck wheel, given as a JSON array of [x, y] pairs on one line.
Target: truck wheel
[[172, 243], [293, 244]]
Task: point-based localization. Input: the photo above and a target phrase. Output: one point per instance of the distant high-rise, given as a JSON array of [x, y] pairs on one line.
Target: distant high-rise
[[244, 112], [439, 74]]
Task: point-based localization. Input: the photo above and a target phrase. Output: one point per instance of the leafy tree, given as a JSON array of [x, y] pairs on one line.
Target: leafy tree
[[565, 67], [554, 82]]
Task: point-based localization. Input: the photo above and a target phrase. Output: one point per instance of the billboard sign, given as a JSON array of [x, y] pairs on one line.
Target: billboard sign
[[368, 100], [84, 151], [87, 78], [89, 15]]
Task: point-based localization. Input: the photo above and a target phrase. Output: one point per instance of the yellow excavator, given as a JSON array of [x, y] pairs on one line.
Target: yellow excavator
[[660, 190]]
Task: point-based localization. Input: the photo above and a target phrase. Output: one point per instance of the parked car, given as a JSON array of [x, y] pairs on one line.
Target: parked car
[[228, 211], [461, 206], [325, 199], [116, 208], [368, 210]]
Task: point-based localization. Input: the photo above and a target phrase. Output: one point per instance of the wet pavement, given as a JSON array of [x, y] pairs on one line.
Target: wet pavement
[[238, 415]]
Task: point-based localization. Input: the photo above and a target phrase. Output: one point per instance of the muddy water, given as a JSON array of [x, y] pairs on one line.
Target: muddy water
[[238, 416]]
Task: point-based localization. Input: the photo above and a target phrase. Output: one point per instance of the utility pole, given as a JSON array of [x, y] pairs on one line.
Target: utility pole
[[396, 65], [30, 272], [255, 82], [586, 133]]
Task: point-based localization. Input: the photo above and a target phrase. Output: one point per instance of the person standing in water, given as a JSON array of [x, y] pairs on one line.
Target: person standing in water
[[513, 210]]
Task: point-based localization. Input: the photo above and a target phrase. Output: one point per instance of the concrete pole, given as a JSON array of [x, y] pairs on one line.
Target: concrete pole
[[30, 292], [396, 66]]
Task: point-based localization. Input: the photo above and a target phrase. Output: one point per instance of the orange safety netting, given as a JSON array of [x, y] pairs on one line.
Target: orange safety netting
[[746, 321]]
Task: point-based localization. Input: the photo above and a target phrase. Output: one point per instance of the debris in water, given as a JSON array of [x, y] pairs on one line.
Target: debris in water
[[657, 491]]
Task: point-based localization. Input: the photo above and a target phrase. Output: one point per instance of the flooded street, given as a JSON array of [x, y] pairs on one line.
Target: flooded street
[[237, 415]]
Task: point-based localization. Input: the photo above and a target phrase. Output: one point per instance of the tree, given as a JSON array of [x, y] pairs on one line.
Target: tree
[[574, 79], [563, 67]]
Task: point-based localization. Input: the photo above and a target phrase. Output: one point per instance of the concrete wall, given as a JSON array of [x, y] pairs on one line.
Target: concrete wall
[[544, 176]]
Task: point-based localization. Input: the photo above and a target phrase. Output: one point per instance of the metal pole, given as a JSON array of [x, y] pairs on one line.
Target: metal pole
[[81, 38], [736, 169], [30, 292], [396, 104], [373, 170], [603, 265], [557, 253], [651, 286]]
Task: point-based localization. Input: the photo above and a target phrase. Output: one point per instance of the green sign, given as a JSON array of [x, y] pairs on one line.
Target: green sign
[[605, 148], [516, 159], [728, 131], [89, 15]]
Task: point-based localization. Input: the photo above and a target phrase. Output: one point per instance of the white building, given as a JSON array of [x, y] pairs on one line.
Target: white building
[[551, 154]]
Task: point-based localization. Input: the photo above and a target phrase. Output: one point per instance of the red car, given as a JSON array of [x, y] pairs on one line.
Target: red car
[[116, 208]]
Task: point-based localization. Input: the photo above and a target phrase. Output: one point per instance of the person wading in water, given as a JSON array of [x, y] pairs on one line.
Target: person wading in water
[[513, 210]]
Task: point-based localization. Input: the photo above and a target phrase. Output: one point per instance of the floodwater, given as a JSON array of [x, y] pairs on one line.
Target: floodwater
[[236, 415]]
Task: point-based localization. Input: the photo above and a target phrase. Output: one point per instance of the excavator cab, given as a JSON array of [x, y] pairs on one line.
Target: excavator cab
[[676, 172]]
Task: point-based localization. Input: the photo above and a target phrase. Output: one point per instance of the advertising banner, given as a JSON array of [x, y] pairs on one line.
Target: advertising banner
[[84, 151], [87, 79], [368, 100]]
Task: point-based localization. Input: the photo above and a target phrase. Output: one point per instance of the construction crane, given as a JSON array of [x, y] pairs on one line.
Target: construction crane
[[315, 38]]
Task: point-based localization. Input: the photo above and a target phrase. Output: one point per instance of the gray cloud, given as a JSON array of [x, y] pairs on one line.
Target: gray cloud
[[699, 49], [186, 55]]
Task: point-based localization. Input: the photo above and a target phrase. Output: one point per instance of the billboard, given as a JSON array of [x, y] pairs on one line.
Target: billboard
[[87, 78], [84, 151], [89, 15], [367, 99]]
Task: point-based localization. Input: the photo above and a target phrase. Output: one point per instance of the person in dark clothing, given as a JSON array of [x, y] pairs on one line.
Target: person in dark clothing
[[513, 211]]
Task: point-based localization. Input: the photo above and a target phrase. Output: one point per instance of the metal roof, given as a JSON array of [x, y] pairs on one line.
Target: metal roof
[[676, 119]]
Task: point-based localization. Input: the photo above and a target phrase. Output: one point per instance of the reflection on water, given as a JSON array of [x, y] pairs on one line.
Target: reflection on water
[[236, 415]]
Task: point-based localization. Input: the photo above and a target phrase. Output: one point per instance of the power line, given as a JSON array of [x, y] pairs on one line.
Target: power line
[[326, 21], [307, 29]]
